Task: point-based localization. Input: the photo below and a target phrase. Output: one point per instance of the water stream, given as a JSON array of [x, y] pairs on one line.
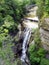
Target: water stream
[[27, 34], [25, 43]]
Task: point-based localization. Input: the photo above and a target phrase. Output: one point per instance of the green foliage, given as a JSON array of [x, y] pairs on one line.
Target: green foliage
[[47, 6], [11, 12], [44, 61], [6, 30], [37, 38], [41, 52], [36, 51], [43, 8], [6, 53], [33, 1], [2, 37], [34, 59], [40, 11], [36, 55], [8, 21]]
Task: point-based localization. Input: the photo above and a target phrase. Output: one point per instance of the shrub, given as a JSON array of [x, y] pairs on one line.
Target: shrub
[[41, 52], [6, 53], [36, 55], [44, 61], [37, 39], [34, 59], [36, 51]]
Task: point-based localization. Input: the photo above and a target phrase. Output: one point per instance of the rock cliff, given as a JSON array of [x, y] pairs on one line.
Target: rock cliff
[[44, 33]]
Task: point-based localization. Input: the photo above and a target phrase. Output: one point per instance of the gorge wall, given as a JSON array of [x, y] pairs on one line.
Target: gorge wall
[[44, 33]]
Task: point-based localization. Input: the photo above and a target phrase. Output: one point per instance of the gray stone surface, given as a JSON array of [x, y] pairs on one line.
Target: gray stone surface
[[44, 33]]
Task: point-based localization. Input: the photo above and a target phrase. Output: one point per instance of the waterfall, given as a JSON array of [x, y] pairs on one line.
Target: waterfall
[[25, 43]]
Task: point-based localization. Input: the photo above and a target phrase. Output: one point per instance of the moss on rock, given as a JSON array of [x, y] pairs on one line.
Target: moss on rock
[[45, 23]]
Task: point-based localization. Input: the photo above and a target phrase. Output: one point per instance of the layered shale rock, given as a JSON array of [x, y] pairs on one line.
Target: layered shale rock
[[44, 33]]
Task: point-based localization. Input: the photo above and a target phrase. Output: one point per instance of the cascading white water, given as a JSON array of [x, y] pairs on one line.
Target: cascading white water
[[29, 26], [25, 43]]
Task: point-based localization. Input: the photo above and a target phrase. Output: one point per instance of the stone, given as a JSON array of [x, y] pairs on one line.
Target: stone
[[45, 23], [44, 33]]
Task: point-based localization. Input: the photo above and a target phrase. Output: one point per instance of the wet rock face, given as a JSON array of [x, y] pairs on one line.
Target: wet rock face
[[44, 33]]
